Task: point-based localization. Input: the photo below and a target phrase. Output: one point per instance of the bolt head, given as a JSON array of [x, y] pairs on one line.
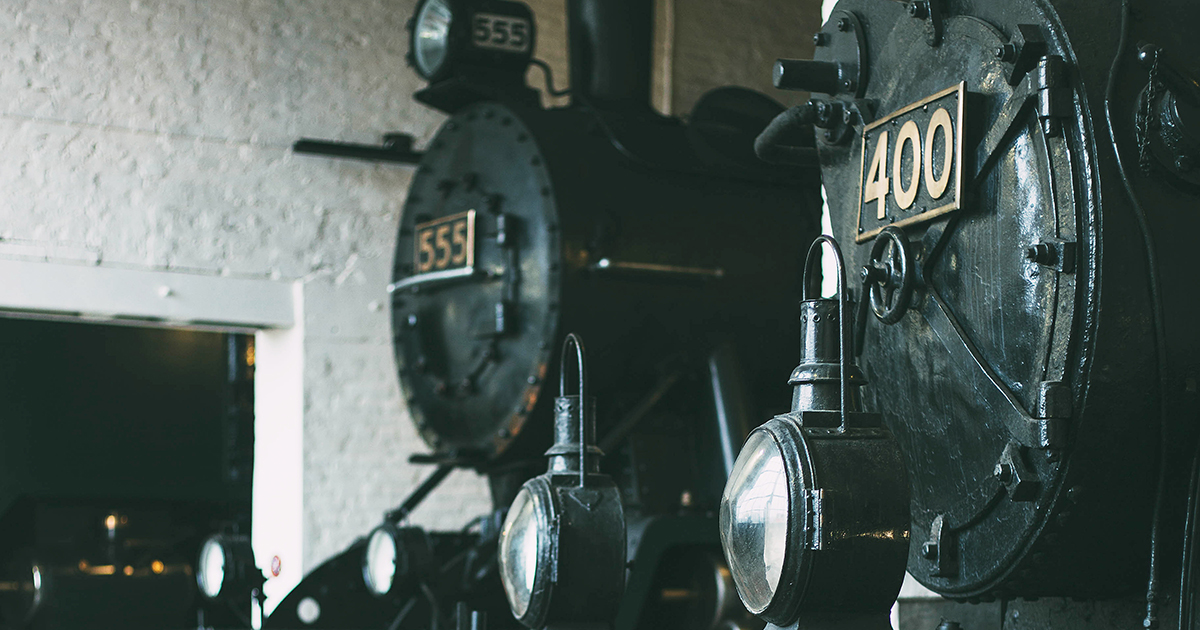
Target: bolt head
[[843, 24], [929, 550], [821, 39], [919, 9], [1003, 473]]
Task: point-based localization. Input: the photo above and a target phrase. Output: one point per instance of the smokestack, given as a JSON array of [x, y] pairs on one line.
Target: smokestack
[[610, 46]]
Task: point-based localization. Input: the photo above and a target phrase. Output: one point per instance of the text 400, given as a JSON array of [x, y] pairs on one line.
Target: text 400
[[878, 185]]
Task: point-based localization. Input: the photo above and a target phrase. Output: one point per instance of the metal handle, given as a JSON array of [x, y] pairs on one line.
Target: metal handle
[[434, 277], [573, 339], [612, 266], [843, 323], [397, 147]]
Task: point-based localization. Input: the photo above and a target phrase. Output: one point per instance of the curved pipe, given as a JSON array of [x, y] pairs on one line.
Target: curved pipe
[[781, 142]]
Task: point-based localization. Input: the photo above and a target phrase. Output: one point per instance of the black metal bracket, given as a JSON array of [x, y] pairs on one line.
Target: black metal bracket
[[1023, 52], [1055, 253], [1012, 473], [941, 549], [931, 11], [397, 147]]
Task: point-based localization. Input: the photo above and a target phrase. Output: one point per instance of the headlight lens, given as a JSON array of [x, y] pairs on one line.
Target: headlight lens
[[520, 547], [431, 35], [379, 563], [210, 574], [754, 520]]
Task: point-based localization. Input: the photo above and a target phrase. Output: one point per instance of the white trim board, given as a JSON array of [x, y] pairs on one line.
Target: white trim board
[[29, 288]]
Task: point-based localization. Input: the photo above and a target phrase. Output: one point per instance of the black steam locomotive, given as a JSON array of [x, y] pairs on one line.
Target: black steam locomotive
[[667, 245], [1001, 402], [1015, 182]]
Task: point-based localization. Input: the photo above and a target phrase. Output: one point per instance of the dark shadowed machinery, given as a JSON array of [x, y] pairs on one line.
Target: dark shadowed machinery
[[667, 245], [101, 530], [1015, 185]]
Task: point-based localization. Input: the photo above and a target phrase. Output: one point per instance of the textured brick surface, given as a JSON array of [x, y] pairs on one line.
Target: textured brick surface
[[155, 134]]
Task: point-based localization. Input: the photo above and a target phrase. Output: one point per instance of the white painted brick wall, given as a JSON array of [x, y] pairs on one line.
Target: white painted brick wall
[[156, 134]]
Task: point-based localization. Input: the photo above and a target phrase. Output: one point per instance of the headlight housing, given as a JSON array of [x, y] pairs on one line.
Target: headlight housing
[[393, 557], [225, 568], [755, 509], [431, 37], [526, 546]]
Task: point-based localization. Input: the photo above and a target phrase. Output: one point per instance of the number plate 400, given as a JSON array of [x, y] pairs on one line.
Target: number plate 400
[[912, 164]]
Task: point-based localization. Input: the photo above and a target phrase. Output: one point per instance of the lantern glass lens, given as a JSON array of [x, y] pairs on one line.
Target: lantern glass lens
[[379, 563], [210, 575], [754, 520], [520, 547], [431, 35]]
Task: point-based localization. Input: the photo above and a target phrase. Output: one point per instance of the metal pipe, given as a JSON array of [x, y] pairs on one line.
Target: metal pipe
[[610, 48], [731, 403]]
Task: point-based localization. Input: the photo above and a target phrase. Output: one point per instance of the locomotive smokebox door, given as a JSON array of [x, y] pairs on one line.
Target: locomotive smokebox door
[[522, 223], [476, 282], [1024, 398]]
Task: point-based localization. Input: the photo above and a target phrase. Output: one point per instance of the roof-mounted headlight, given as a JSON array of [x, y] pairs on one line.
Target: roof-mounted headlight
[[485, 40]]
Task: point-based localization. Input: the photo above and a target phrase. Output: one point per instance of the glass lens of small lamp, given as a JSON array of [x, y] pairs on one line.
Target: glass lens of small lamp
[[431, 35], [380, 562], [520, 540], [754, 520], [211, 572]]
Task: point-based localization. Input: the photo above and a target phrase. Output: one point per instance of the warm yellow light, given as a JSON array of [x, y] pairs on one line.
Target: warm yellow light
[[83, 565], [250, 355], [110, 521], [157, 567], [128, 570]]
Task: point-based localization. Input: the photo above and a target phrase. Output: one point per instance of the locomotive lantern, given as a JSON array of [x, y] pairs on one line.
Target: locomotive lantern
[[562, 547], [1028, 350], [814, 519]]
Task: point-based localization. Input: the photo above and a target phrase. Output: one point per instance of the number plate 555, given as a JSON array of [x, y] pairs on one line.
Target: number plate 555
[[445, 244], [505, 33], [912, 164]]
